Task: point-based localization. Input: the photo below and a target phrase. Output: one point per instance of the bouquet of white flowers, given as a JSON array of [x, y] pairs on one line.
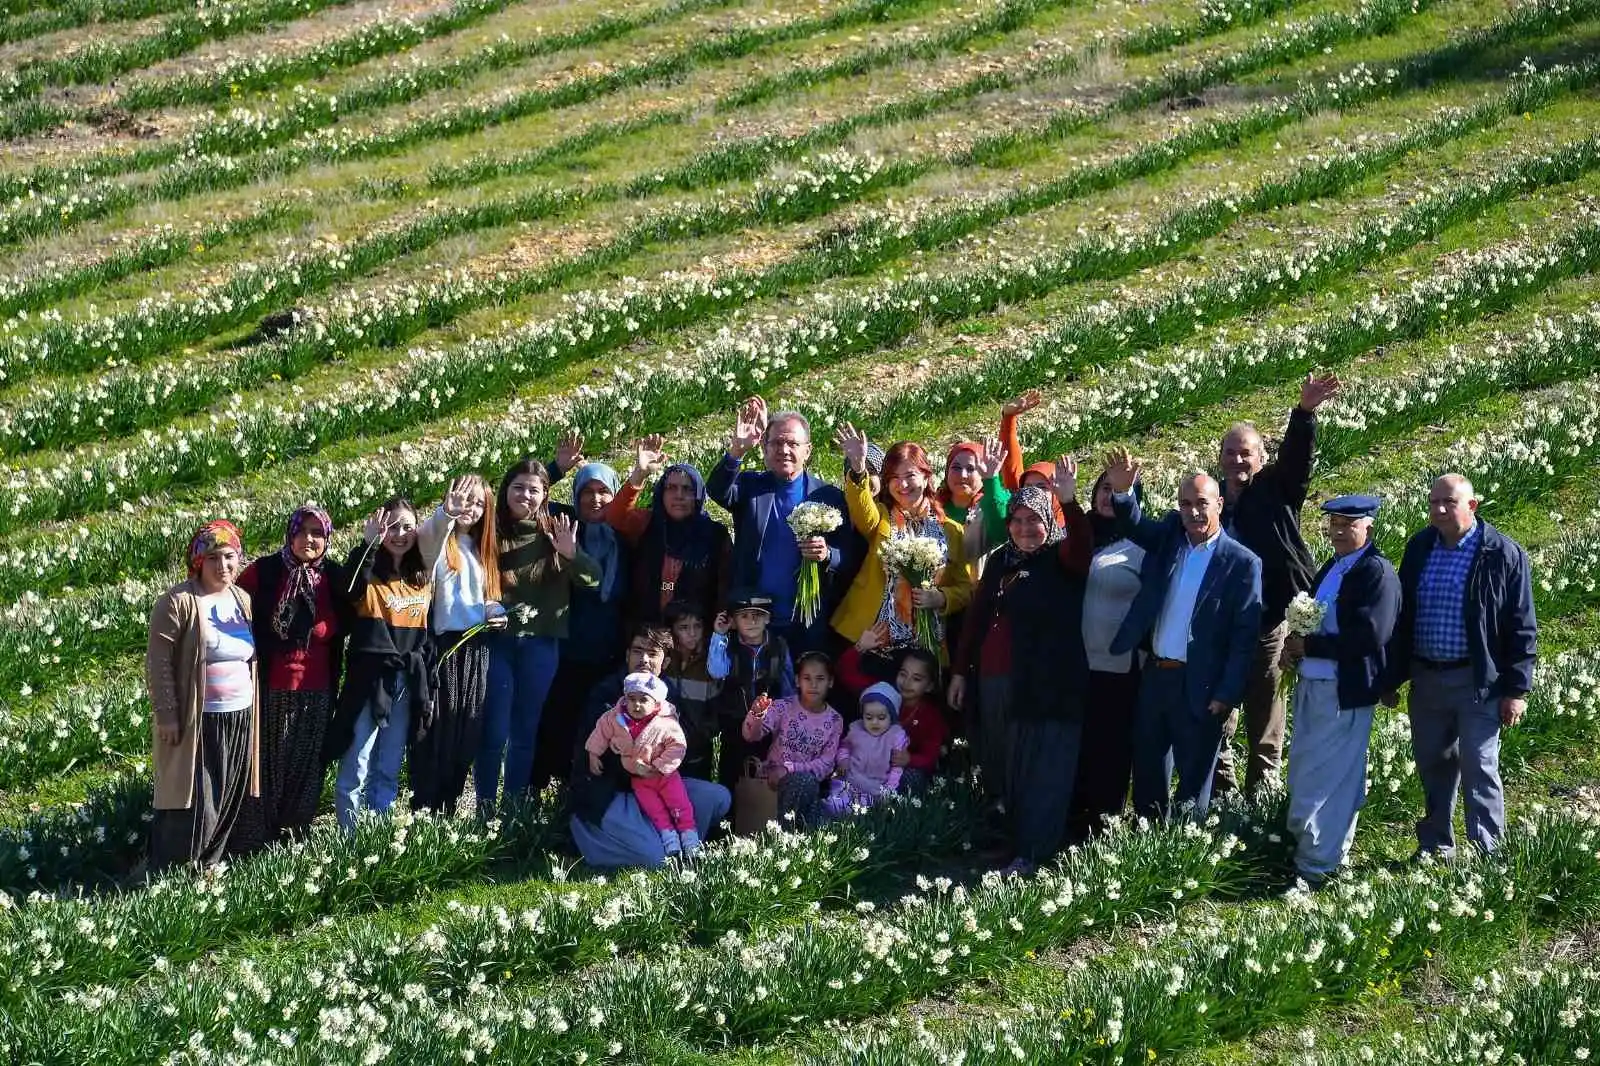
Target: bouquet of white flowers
[[916, 560], [1305, 618], [812, 520]]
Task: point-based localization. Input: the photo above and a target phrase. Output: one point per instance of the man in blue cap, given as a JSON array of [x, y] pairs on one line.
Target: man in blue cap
[[1341, 675]]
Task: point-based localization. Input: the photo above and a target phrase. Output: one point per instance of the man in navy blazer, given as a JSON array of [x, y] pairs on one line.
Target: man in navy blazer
[[1198, 614], [766, 553], [1341, 674], [1466, 640]]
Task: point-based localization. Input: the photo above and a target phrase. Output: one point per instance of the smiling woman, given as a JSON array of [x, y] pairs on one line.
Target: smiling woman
[[299, 644], [199, 666]]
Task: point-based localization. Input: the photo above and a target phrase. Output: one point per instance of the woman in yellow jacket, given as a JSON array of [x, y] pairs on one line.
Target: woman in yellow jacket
[[906, 505]]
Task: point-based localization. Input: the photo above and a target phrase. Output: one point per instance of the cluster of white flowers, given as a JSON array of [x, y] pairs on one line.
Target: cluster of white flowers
[[913, 557], [812, 519]]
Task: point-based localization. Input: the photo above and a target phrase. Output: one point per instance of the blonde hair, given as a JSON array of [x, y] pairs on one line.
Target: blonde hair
[[483, 533]]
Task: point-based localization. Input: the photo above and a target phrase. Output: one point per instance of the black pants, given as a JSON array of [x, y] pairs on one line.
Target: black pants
[[447, 739], [564, 708], [1105, 763]]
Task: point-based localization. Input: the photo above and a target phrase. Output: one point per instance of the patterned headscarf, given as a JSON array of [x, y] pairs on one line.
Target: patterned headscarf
[[296, 610], [219, 533]]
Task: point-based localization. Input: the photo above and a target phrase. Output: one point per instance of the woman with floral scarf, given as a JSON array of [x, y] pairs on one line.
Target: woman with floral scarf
[[907, 505], [299, 639], [1020, 670]]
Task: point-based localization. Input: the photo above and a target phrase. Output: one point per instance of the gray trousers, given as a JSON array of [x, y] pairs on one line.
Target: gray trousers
[[1455, 738], [1265, 717], [1327, 775]]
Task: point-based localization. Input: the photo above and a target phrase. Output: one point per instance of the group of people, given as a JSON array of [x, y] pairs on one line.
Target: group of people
[[829, 647]]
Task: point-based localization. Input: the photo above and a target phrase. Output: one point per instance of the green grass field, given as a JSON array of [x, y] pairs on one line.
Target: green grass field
[[500, 220]]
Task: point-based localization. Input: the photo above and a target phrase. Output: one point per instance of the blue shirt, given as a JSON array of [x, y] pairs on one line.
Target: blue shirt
[[1328, 595], [1441, 625], [780, 549], [1171, 638]]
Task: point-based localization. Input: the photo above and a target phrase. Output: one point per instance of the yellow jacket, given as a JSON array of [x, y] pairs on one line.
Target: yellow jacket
[[859, 609]]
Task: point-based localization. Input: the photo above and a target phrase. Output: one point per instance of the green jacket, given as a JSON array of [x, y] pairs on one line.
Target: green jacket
[[536, 583]]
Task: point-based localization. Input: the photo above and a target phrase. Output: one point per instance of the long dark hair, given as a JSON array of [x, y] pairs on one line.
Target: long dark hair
[[409, 569], [502, 513]]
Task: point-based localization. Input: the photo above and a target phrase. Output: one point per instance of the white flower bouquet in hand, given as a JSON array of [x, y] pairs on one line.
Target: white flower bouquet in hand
[[913, 562], [1305, 617], [812, 520]]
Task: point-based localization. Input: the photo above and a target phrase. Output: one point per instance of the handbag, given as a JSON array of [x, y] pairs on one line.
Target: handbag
[[754, 802]]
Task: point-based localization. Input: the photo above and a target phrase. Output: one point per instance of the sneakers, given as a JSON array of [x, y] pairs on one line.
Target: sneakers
[[669, 841], [691, 843]]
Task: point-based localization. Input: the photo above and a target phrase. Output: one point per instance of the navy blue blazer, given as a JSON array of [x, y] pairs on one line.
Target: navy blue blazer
[[1502, 632], [1365, 610], [748, 497], [1226, 625]]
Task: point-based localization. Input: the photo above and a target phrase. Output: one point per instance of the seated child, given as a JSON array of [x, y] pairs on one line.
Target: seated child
[[864, 766], [805, 734], [916, 679], [643, 729]]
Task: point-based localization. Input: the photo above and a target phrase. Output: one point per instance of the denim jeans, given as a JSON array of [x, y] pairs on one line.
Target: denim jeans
[[520, 672], [369, 771]]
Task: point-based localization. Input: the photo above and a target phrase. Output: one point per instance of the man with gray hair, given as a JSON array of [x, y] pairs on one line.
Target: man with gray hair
[[1261, 505], [766, 552], [1198, 614], [1466, 640]]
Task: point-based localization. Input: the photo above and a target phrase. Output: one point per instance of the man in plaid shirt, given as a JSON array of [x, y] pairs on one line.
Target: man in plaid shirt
[[1466, 641]]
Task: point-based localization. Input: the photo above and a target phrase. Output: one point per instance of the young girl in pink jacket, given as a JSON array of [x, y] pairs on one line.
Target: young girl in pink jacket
[[643, 729], [805, 734]]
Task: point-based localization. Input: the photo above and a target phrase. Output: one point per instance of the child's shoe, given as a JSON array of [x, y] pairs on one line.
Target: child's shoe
[[691, 843], [669, 840]]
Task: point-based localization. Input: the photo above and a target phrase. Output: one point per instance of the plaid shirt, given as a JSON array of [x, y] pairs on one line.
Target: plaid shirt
[[1441, 623]]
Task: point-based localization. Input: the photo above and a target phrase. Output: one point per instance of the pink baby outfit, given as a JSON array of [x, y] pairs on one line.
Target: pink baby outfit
[[653, 746], [864, 758]]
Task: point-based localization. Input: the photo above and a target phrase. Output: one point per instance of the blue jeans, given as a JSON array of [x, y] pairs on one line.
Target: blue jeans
[[520, 672], [369, 771]]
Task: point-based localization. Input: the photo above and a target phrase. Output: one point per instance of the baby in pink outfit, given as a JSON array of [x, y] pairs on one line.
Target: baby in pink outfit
[[863, 769], [643, 728]]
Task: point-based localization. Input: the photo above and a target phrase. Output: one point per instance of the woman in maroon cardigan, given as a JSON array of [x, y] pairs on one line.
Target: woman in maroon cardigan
[[300, 640]]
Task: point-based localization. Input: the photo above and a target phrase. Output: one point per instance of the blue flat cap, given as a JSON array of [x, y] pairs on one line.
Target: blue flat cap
[[1353, 506]]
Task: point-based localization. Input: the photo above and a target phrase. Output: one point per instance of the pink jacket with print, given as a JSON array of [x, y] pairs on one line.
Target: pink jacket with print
[[659, 749]]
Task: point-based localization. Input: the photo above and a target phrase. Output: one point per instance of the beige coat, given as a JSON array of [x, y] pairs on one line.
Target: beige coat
[[175, 675]]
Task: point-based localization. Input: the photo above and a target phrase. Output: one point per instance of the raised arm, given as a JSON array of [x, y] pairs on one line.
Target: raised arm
[[866, 513], [749, 427], [1011, 439], [1298, 452], [1077, 550]]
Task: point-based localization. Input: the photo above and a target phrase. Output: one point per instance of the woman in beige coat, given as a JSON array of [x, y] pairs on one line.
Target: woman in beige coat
[[200, 669]]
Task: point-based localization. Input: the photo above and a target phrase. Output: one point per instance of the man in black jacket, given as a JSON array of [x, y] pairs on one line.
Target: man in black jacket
[[1261, 509]]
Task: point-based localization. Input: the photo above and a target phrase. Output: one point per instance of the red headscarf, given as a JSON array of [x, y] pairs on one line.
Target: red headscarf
[[946, 497]]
